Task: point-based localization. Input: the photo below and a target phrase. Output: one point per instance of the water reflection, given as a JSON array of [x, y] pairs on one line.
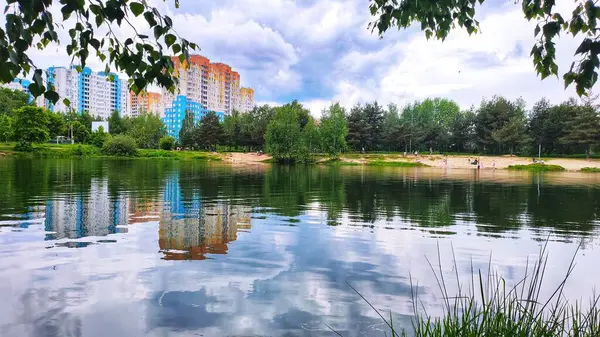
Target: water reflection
[[90, 248]]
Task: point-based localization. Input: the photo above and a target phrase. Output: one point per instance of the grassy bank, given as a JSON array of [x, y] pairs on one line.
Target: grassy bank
[[383, 163], [89, 151], [488, 306], [537, 168], [590, 169]]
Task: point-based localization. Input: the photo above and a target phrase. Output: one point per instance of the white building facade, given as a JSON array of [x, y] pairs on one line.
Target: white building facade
[[89, 91]]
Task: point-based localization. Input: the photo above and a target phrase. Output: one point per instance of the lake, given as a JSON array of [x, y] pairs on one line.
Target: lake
[[167, 248]]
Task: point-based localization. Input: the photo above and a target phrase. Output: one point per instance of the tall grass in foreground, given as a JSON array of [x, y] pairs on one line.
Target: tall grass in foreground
[[489, 308]]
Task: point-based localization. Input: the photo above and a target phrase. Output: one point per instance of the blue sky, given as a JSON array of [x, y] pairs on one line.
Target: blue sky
[[321, 52]]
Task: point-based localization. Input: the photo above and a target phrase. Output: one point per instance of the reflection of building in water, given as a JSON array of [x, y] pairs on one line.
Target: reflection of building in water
[[93, 214], [143, 211], [208, 231]]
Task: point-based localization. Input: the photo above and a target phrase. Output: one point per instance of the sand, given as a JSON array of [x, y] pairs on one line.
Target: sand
[[458, 162]]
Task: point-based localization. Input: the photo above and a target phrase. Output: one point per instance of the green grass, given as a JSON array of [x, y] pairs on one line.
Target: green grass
[[537, 168], [383, 163], [90, 151], [487, 306], [590, 169], [337, 162]]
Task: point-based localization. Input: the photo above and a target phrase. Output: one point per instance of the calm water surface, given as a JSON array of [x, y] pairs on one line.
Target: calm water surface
[[162, 248]]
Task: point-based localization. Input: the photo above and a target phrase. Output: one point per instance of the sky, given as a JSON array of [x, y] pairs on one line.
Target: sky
[[320, 52]]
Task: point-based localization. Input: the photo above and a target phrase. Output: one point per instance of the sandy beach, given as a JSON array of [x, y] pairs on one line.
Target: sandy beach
[[452, 161]]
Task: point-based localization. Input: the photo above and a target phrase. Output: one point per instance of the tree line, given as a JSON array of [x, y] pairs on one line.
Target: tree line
[[291, 134]]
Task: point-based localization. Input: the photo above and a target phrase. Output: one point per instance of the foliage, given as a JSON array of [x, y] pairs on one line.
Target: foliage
[[166, 143], [146, 129], [232, 129], [120, 145], [116, 124], [590, 169], [358, 129], [495, 121], [253, 127], [10, 100], [283, 134], [536, 168], [210, 131], [438, 18], [6, 128], [99, 137], [81, 133], [57, 126], [81, 150], [188, 129], [583, 130], [334, 130], [145, 60], [31, 125]]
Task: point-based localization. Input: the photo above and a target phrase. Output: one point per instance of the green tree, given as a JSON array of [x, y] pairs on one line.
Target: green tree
[[283, 139], [492, 116], [462, 132], [99, 137], [57, 126], [253, 127], [31, 125], [146, 129], [583, 131], [547, 125], [210, 131], [81, 133], [311, 138], [120, 145], [513, 134], [116, 124], [390, 131], [92, 31], [10, 100], [232, 129], [373, 115], [438, 18], [6, 128], [188, 130], [166, 143], [358, 129], [333, 130]]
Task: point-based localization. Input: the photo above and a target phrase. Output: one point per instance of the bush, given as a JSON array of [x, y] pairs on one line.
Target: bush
[[166, 143], [84, 151], [590, 169], [383, 163], [99, 137], [120, 145], [24, 146]]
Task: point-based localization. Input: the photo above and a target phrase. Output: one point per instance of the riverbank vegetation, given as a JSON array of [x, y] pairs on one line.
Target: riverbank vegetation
[[290, 133], [489, 306], [537, 168]]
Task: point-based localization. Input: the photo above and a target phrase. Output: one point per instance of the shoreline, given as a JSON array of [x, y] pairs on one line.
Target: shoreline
[[447, 162]]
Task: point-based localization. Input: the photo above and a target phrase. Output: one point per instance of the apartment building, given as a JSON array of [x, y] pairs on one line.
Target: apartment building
[[203, 86], [89, 91], [145, 102]]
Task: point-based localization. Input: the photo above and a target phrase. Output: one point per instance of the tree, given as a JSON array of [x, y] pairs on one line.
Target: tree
[[232, 129], [188, 130], [116, 124], [492, 116], [547, 124], [166, 143], [438, 18], [10, 100], [462, 132], [333, 130], [358, 129], [81, 133], [31, 24], [583, 130], [31, 125], [283, 134], [146, 129], [513, 134], [99, 137], [311, 139], [57, 125], [253, 126], [391, 128], [210, 131], [6, 128], [373, 115]]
